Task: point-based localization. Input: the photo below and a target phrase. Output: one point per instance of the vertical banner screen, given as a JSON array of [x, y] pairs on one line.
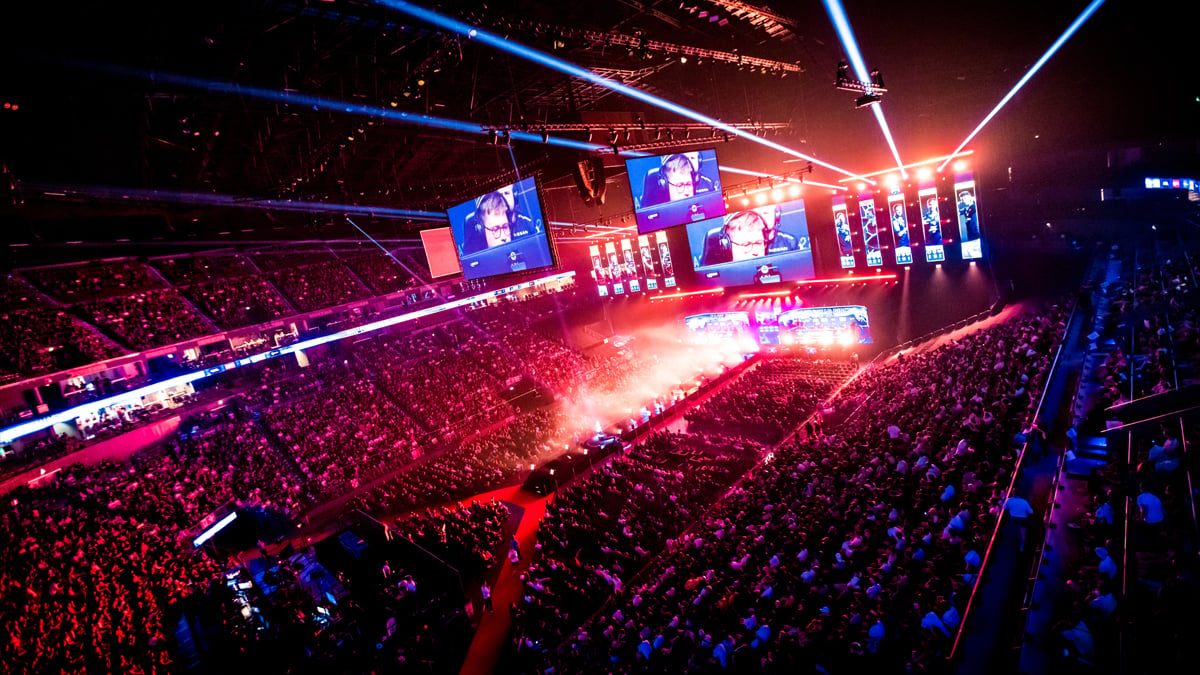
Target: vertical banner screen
[[931, 222], [968, 216], [630, 265], [615, 268], [841, 226], [664, 258], [599, 270], [870, 228], [899, 219]]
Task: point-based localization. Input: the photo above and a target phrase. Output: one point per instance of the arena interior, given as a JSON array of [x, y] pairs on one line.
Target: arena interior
[[641, 337]]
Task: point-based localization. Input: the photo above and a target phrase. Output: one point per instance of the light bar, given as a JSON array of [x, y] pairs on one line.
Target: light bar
[[773, 294], [837, 14], [842, 280], [12, 433], [554, 63], [229, 201], [212, 531], [1079, 21], [914, 165], [710, 291]]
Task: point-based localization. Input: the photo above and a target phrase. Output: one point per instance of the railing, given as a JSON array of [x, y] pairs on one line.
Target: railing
[[966, 615], [1039, 557]]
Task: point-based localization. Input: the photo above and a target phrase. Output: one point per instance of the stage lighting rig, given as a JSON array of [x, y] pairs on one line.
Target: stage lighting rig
[[871, 91]]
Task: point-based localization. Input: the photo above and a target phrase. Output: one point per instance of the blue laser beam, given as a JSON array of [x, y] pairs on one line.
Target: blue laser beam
[[837, 14], [554, 63], [1062, 39], [330, 105], [318, 103], [203, 199]]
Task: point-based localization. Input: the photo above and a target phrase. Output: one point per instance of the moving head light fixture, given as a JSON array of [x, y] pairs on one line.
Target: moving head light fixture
[[871, 91]]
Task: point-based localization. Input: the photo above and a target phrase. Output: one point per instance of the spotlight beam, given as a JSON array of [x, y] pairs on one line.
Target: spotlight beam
[[330, 105], [1062, 39], [837, 14], [554, 63], [317, 103], [205, 199]]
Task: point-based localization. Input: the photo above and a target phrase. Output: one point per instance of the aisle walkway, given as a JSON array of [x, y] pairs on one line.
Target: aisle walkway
[[494, 626]]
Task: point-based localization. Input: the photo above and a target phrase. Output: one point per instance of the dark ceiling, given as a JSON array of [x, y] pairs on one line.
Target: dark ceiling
[[946, 64]]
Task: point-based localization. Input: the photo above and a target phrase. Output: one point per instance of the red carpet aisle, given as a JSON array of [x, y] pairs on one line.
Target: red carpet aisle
[[494, 626]]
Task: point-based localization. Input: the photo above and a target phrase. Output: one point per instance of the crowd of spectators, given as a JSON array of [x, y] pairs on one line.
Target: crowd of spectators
[[282, 259], [466, 538], [599, 533], [380, 271], [39, 340], [197, 269], [445, 386], [345, 434], [147, 319], [770, 400], [95, 558], [846, 551], [1151, 324], [76, 283], [239, 302], [492, 460], [319, 285]]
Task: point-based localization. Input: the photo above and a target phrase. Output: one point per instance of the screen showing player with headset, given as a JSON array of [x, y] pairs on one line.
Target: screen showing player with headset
[[764, 245], [674, 189], [501, 231]]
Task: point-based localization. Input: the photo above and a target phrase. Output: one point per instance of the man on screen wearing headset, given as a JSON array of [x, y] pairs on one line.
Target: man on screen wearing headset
[[678, 178], [496, 221], [747, 234]]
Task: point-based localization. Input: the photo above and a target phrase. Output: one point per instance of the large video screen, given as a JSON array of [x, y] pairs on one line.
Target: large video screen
[[870, 229], [844, 325], [501, 232], [670, 190], [763, 245], [440, 252], [720, 326], [968, 216], [931, 222]]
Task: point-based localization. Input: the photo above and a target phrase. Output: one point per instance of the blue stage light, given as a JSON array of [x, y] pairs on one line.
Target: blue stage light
[[837, 14], [1075, 25], [330, 105], [530, 54], [231, 201]]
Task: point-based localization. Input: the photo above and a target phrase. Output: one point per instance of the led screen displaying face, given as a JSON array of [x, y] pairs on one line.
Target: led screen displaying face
[[670, 190], [764, 245], [502, 231]]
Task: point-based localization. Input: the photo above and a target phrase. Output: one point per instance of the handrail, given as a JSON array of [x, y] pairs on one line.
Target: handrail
[[1183, 446], [1011, 484], [1125, 556]]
